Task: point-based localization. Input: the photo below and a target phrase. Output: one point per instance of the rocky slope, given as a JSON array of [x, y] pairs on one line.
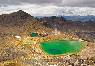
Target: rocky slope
[[24, 52], [19, 22], [81, 29]]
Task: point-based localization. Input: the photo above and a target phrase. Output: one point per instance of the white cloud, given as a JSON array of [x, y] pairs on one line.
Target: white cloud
[[73, 3], [51, 10], [31, 9]]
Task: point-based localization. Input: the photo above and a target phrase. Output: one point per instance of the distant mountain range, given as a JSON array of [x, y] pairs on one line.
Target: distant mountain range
[[81, 18], [76, 18]]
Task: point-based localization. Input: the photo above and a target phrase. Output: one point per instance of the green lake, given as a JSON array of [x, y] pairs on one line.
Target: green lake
[[58, 47]]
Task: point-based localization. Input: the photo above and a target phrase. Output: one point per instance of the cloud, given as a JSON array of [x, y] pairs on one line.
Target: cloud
[[9, 2], [60, 3], [78, 3], [39, 2], [74, 3], [42, 1], [51, 10], [34, 10]]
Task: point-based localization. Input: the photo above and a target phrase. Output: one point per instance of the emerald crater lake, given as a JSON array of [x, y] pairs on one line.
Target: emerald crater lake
[[59, 47]]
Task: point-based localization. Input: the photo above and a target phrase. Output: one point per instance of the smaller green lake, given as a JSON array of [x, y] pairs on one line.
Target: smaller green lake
[[34, 34], [58, 47]]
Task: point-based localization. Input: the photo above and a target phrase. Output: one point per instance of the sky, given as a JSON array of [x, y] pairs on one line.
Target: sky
[[47, 6]]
